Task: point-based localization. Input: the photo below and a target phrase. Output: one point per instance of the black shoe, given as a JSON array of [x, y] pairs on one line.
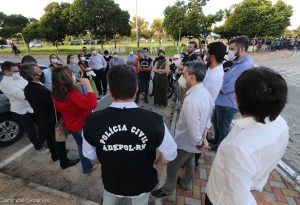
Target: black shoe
[[180, 185], [54, 158], [146, 101], [70, 163], [159, 193]]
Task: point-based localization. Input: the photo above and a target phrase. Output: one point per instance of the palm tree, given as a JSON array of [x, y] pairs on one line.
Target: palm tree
[[142, 25], [157, 28]]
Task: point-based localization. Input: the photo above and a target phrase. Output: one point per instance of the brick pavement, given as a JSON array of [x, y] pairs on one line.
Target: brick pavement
[[277, 188]]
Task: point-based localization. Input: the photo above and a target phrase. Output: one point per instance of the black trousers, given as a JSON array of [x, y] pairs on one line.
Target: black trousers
[[101, 81], [207, 201], [143, 87], [28, 124]]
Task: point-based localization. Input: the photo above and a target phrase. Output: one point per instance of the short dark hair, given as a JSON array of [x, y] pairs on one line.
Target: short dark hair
[[28, 59], [241, 42], [27, 71], [145, 49], [218, 49], [261, 93], [106, 52], [194, 43], [122, 82], [197, 69], [7, 65]]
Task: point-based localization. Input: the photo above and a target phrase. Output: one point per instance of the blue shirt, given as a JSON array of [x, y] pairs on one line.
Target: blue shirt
[[131, 58], [226, 96], [116, 61], [48, 78]]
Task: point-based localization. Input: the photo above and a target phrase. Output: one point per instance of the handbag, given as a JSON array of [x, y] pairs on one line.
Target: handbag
[[60, 132]]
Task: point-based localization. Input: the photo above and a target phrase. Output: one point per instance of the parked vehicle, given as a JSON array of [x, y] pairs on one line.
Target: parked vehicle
[[35, 45], [3, 44], [74, 42], [87, 42]]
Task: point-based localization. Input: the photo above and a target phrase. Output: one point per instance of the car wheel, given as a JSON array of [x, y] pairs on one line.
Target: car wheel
[[10, 130]]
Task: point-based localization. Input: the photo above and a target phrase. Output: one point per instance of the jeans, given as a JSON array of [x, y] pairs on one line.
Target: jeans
[[221, 120], [85, 162], [185, 159], [28, 123], [111, 199]]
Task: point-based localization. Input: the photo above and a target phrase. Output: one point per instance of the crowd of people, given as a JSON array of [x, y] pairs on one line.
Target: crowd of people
[[124, 138], [276, 44]]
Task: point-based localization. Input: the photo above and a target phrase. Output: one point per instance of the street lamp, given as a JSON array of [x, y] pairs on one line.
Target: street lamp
[[137, 27]]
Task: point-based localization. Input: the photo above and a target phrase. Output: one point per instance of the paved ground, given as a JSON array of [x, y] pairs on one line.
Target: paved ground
[[39, 169]]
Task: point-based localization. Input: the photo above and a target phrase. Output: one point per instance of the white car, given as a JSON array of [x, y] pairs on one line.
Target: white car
[[34, 45]]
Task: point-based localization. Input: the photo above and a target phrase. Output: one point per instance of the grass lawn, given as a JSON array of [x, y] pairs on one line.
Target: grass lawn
[[75, 49]]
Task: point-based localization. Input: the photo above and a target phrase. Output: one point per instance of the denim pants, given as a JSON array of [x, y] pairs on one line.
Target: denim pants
[[111, 199], [85, 162], [221, 120]]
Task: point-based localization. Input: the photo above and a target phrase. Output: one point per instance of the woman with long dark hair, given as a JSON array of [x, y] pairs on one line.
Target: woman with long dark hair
[[73, 106]]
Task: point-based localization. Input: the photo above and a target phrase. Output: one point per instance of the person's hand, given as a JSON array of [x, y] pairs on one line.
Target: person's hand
[[88, 69], [262, 199], [85, 82], [203, 147]]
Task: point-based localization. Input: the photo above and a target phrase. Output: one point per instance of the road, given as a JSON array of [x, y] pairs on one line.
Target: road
[[289, 68]]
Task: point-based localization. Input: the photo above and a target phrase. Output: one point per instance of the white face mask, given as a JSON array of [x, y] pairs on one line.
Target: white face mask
[[131, 53], [94, 52], [82, 58], [115, 56], [182, 82], [54, 60], [72, 61], [16, 76], [231, 55]]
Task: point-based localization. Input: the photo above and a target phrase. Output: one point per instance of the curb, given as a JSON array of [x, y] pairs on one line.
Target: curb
[[289, 174], [46, 190]]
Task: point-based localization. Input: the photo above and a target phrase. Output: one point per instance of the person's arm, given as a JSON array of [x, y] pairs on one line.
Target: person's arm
[[239, 170], [13, 90], [89, 152], [192, 115], [103, 61], [154, 69], [167, 67], [168, 149]]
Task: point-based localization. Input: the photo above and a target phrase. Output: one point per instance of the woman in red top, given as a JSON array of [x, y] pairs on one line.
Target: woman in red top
[[73, 106]]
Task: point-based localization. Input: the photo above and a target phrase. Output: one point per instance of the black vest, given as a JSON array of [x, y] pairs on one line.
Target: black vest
[[126, 141]]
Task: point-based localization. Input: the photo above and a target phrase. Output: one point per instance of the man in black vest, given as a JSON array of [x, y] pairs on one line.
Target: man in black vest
[[124, 139], [39, 98]]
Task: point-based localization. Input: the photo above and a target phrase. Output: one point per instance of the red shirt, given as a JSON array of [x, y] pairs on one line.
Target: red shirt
[[75, 109]]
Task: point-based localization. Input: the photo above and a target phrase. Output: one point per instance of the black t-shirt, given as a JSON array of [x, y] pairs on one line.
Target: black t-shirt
[[145, 62], [107, 59], [126, 141], [188, 58]]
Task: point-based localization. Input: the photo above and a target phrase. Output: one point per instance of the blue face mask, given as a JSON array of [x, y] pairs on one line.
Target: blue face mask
[[146, 54]]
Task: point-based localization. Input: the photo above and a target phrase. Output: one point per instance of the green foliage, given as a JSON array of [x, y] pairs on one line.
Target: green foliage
[[143, 26], [258, 18], [11, 24], [157, 27], [31, 31]]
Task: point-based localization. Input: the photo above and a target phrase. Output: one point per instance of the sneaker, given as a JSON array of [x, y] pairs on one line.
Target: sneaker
[[43, 150], [181, 186], [159, 193]]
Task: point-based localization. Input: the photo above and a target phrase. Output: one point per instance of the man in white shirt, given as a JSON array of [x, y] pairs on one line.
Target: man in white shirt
[[12, 85], [194, 116], [99, 64], [214, 75], [255, 145], [126, 142]]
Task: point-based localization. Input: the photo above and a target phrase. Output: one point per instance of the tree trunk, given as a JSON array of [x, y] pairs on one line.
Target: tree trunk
[[115, 41], [159, 38], [56, 47]]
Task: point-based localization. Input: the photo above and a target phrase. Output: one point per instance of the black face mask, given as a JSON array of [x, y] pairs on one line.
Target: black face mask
[[42, 78]]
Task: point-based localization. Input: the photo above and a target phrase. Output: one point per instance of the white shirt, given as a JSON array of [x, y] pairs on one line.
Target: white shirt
[[213, 81], [194, 116], [14, 91], [168, 147], [244, 160], [97, 62]]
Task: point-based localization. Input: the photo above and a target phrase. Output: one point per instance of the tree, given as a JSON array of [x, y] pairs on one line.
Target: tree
[[11, 24], [143, 26], [189, 19], [259, 18], [103, 18], [31, 32], [157, 27], [54, 23], [297, 32]]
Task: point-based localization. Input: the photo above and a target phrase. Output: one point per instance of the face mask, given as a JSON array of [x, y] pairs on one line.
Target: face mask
[[131, 53], [115, 56], [94, 52], [182, 82], [231, 55], [72, 61], [54, 60], [82, 58], [146, 55], [16, 76]]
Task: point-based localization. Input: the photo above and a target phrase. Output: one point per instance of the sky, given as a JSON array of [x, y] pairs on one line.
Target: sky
[[147, 9]]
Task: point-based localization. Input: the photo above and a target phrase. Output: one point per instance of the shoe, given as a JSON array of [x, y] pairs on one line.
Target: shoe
[[180, 185], [70, 163], [151, 95], [159, 193], [146, 101], [43, 150], [54, 158]]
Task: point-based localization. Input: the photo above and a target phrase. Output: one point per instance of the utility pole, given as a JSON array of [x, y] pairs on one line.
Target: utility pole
[[137, 26]]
